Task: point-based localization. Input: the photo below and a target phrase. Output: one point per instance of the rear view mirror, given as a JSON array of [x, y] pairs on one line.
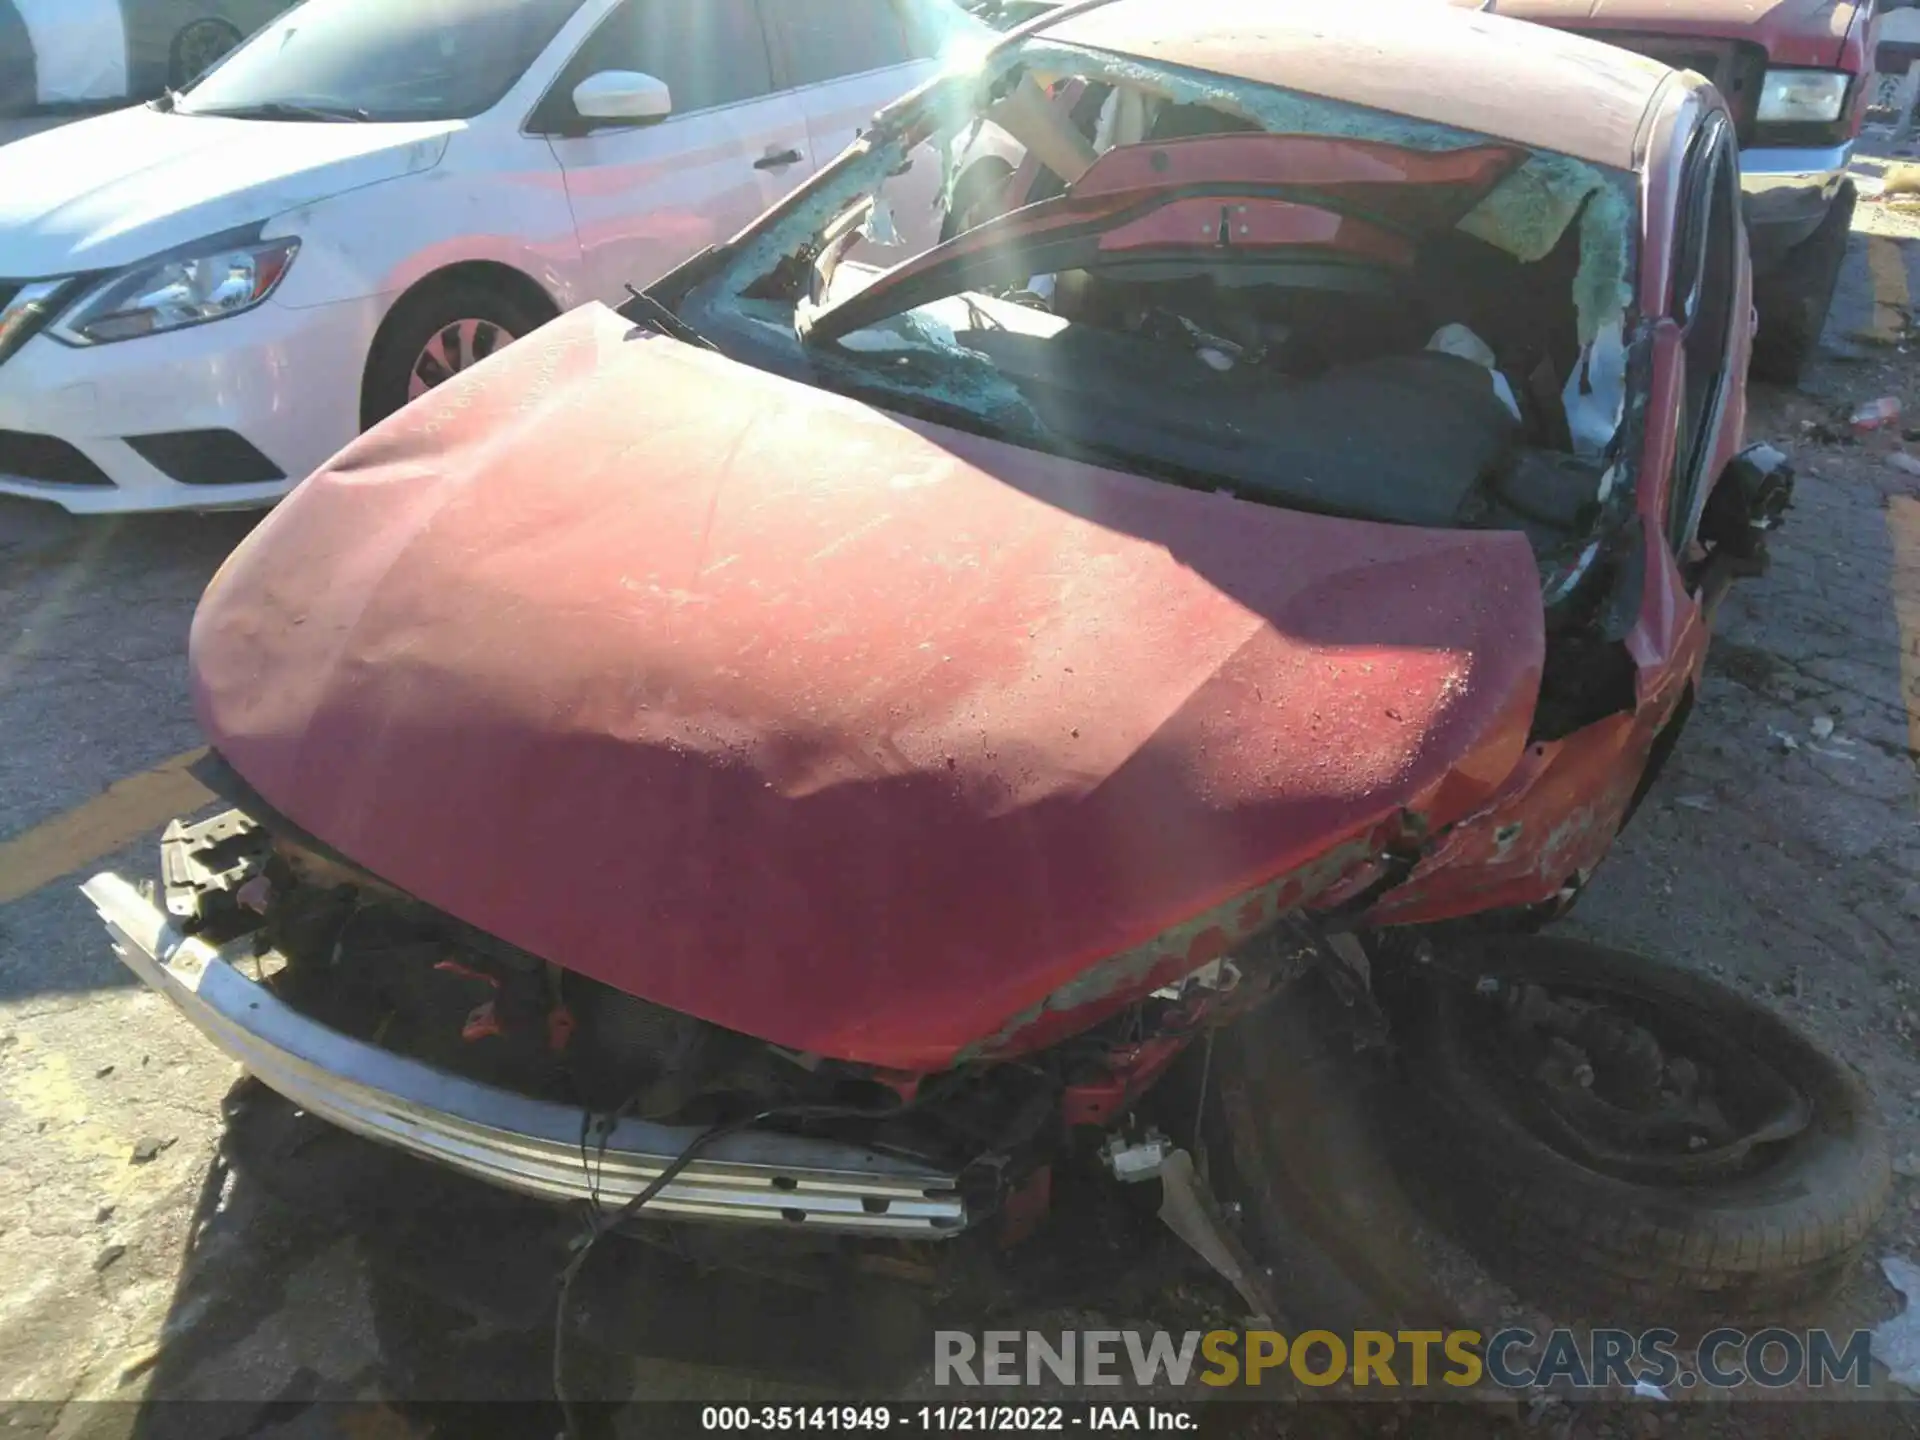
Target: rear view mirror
[[622, 95]]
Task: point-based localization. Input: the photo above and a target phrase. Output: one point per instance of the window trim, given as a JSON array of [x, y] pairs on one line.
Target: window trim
[[536, 127], [1712, 176], [784, 68]]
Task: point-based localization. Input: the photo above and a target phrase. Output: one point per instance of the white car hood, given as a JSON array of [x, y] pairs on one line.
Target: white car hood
[[103, 193]]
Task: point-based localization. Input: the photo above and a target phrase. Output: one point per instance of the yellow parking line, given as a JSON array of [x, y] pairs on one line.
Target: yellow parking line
[[116, 817], [1888, 267], [1903, 519]]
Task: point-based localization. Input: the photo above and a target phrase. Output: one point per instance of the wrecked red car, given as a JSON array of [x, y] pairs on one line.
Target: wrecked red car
[[818, 746]]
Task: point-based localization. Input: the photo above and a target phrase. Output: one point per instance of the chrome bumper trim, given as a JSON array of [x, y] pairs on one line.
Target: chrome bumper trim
[[531, 1146], [1786, 173], [1766, 170]]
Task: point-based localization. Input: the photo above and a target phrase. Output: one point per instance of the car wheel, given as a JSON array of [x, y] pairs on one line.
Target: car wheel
[[1295, 1153], [1629, 1140], [196, 49], [1793, 301], [434, 334]]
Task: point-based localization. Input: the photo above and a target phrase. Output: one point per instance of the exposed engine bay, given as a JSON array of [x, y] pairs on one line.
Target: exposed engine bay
[[351, 953]]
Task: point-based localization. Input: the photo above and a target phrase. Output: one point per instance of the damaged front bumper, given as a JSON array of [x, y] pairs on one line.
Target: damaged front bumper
[[532, 1146]]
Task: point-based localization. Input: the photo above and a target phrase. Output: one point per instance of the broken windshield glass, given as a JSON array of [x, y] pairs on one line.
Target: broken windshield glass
[[1231, 286]]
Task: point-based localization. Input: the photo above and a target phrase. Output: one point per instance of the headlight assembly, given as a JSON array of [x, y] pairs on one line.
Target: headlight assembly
[[1802, 97], [192, 286]]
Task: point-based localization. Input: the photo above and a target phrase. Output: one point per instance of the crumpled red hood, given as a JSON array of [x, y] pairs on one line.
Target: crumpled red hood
[[848, 731]]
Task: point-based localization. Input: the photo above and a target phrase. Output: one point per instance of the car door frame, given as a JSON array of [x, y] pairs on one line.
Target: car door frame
[[914, 70], [531, 124], [1711, 163], [536, 125], [784, 69]]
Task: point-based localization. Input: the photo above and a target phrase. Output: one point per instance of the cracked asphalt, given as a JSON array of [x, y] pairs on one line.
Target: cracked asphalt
[[1781, 851]]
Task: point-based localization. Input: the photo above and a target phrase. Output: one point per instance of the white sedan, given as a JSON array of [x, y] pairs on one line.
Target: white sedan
[[207, 296]]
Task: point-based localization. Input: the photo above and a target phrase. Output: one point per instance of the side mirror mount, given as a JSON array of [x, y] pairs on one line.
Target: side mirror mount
[[618, 97]]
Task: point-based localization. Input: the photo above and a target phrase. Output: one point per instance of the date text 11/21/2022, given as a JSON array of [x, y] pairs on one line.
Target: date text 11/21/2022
[[949, 1419]]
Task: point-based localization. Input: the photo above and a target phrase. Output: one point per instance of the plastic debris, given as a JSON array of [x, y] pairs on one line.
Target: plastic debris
[[1875, 415], [1647, 1390], [879, 228], [1694, 802], [1460, 341], [1903, 462], [1896, 1344], [1785, 741], [1595, 395], [1216, 351], [1822, 726]]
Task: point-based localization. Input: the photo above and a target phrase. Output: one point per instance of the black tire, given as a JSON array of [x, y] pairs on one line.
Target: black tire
[[416, 320], [197, 48], [1290, 1139], [983, 180], [1793, 300], [1766, 1246]]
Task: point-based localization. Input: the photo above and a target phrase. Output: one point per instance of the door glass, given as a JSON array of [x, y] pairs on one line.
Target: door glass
[[826, 39], [710, 52]]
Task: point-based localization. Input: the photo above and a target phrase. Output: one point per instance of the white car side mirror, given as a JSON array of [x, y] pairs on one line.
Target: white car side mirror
[[622, 95]]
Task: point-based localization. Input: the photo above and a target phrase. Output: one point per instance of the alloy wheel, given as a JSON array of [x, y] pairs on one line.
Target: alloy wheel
[[454, 348]]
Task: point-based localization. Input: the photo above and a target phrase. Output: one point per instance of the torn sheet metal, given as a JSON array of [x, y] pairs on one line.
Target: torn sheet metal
[[1189, 1209]]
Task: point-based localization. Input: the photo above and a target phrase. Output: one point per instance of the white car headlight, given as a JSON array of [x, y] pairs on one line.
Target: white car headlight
[[1802, 97], [191, 287]]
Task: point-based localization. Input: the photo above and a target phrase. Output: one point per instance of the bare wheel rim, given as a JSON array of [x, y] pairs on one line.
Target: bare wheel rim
[[453, 348]]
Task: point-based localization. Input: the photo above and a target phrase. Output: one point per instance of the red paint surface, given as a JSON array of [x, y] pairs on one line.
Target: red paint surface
[[850, 732], [1557, 816], [1331, 165], [1529, 84], [1792, 32], [1256, 225], [1416, 190]]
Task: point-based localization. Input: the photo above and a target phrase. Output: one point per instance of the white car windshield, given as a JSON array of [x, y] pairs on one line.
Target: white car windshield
[[381, 60]]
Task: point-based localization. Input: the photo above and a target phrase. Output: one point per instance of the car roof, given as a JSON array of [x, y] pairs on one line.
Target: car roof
[[1505, 79]]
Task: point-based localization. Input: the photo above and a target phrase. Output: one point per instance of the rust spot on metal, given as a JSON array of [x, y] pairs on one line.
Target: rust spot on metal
[[1207, 936]]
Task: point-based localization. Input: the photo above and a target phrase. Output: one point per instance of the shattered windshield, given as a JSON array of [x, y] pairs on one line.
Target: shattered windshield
[[1224, 285]]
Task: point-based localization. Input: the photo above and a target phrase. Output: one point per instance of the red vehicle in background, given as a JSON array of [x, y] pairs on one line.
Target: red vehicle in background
[[1796, 76], [816, 747]]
